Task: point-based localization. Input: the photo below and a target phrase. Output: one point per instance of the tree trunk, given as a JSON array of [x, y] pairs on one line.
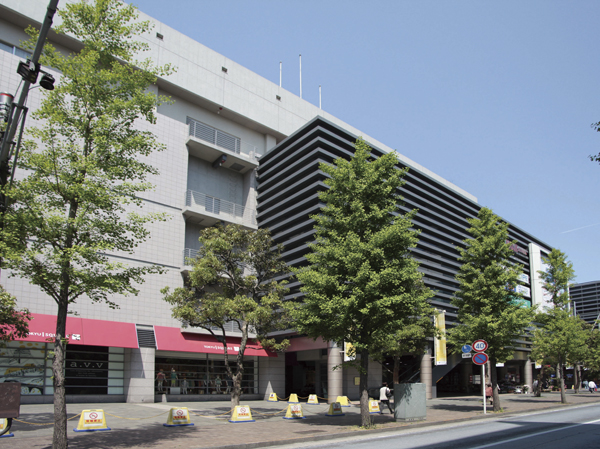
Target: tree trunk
[[577, 378], [59, 439], [494, 379], [563, 393], [365, 416]]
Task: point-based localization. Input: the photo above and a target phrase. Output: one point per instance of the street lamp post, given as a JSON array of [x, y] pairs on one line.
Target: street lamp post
[[29, 71]]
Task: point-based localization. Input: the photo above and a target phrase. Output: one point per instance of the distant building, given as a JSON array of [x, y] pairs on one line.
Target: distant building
[[586, 300]]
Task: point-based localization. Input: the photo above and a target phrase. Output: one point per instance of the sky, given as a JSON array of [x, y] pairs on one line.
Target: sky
[[495, 97]]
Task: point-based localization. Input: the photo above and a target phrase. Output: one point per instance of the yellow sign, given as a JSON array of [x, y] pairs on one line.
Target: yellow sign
[[335, 409], [439, 342], [293, 399], [294, 411], [312, 399], [241, 413], [178, 416], [4, 425], [273, 398], [343, 400], [91, 421], [374, 406]]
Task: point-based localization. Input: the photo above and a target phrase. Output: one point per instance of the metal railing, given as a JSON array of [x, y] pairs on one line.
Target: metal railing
[[220, 138], [232, 212], [188, 255]]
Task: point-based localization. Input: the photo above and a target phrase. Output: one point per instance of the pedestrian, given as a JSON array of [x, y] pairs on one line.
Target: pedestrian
[[384, 397], [218, 384], [184, 385], [160, 381], [489, 395], [173, 379], [585, 384], [592, 386]]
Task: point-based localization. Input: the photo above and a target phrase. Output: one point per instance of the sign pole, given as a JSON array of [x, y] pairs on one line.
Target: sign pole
[[483, 388]]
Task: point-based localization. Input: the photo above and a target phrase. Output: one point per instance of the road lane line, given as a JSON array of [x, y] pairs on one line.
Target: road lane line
[[535, 434]]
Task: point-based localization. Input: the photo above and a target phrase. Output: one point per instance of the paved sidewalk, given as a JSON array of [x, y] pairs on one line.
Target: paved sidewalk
[[144, 427]]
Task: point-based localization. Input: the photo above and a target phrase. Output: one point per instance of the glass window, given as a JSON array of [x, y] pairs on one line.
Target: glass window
[[24, 362]]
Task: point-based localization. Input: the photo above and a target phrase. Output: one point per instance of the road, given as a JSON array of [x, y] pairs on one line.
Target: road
[[562, 429]]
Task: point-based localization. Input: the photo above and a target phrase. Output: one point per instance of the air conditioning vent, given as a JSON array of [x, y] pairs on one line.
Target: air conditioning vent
[[146, 338]]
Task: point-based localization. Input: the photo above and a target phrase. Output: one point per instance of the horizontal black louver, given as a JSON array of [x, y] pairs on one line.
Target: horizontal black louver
[[146, 337]]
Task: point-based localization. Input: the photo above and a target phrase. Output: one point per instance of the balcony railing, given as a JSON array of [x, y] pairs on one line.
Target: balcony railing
[[228, 211], [188, 255], [220, 138]]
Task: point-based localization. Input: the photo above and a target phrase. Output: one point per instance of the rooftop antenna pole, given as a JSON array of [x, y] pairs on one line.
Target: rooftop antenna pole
[[320, 97], [279, 73], [300, 76]]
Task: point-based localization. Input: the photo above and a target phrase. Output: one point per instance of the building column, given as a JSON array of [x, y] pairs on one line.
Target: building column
[[426, 374], [528, 374], [139, 375], [271, 375], [335, 378]]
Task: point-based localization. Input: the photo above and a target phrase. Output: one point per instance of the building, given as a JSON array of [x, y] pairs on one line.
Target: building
[[586, 300], [222, 109]]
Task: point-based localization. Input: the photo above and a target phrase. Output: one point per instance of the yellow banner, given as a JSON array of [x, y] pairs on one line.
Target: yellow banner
[[439, 342]]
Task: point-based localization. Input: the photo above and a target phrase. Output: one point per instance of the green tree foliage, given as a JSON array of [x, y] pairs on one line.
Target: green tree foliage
[[561, 338], [362, 285], [557, 278], [13, 323], [84, 169], [234, 279], [488, 307]]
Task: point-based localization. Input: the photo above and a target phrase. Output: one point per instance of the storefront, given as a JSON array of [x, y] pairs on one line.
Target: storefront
[[94, 361]]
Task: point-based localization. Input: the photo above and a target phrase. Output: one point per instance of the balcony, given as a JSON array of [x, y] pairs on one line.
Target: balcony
[[208, 143], [208, 210]]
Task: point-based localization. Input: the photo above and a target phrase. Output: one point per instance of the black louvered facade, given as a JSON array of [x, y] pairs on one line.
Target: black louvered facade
[[289, 181], [586, 299]]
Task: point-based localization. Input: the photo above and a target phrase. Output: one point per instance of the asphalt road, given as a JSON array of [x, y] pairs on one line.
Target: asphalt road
[[561, 429]]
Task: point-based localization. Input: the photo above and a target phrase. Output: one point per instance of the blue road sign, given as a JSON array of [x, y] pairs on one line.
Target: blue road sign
[[466, 349], [480, 358]]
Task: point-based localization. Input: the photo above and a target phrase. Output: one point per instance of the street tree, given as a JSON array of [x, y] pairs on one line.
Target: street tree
[[235, 279], [557, 277], [14, 323], [84, 169], [362, 284], [560, 338], [488, 306]]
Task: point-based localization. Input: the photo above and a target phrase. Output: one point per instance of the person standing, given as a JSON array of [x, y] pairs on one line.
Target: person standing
[[489, 395], [592, 386], [160, 381], [184, 385], [173, 379], [384, 397]]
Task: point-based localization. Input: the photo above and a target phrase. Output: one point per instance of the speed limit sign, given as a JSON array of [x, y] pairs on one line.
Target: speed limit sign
[[480, 345]]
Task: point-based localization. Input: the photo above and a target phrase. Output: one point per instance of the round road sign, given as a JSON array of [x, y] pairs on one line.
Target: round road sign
[[466, 349], [480, 358], [480, 345]]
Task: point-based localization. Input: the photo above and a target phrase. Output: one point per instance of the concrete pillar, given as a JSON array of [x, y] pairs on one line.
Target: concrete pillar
[[139, 375], [335, 378], [528, 374], [426, 374], [271, 375]]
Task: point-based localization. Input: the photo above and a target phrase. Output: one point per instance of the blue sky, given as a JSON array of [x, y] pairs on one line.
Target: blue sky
[[496, 97]]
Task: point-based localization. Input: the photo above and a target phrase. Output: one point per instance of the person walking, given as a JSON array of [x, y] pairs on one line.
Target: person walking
[[489, 395], [384, 397], [592, 386], [160, 381]]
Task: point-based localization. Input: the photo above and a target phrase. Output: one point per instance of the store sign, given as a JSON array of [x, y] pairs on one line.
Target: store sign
[[524, 278], [525, 291], [517, 249]]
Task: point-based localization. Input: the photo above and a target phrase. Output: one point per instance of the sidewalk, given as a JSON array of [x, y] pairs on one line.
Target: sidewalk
[[140, 425]]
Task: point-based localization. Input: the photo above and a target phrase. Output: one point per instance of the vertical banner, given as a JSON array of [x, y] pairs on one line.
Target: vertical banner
[[439, 343], [349, 352]]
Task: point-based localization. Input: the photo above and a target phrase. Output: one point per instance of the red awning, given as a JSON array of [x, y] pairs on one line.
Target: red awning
[[83, 331], [174, 339]]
